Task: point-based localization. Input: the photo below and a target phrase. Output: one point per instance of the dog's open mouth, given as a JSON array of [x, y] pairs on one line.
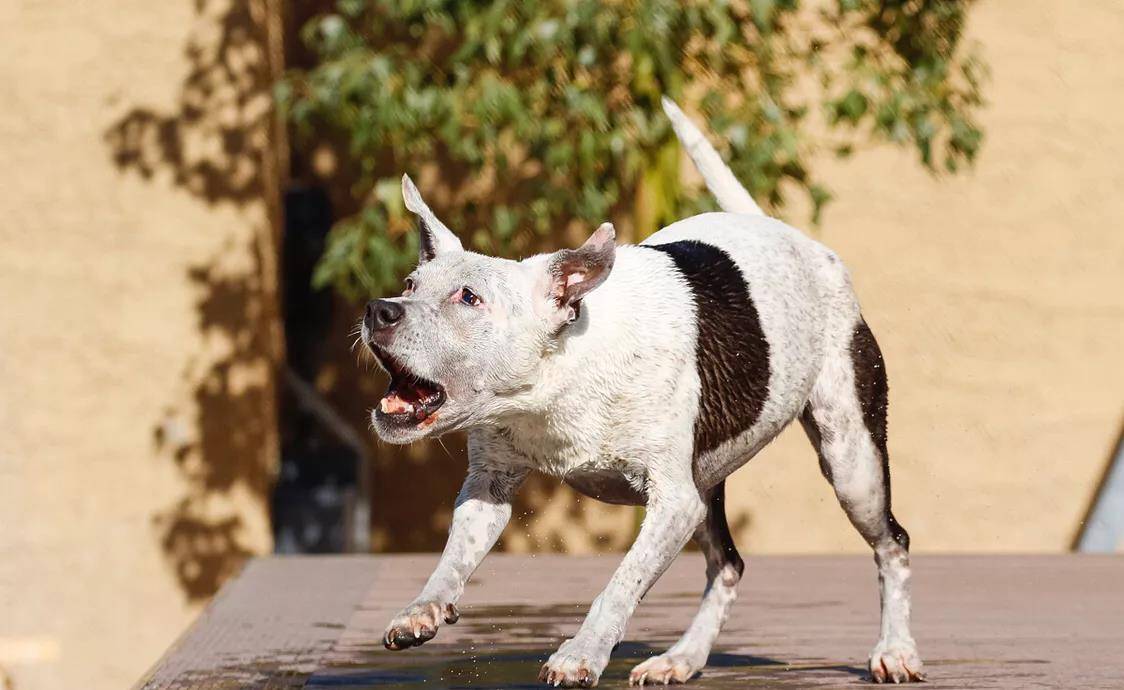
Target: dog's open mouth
[[410, 399]]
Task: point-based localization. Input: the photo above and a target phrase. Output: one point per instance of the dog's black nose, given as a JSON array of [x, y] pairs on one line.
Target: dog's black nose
[[382, 314]]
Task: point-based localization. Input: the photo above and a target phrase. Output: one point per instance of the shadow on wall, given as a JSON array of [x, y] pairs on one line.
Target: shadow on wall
[[413, 488], [221, 432]]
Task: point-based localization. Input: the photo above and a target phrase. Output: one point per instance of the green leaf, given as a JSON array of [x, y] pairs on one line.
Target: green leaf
[[852, 107], [542, 115]]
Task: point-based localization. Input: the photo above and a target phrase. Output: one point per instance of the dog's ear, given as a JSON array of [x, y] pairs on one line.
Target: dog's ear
[[433, 237], [575, 272]]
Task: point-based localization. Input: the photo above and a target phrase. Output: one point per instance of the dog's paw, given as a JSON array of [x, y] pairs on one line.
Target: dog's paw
[[574, 665], [665, 669], [896, 661], [418, 624]]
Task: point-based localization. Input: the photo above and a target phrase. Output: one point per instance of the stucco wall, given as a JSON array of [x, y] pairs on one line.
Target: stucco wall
[[137, 329], [138, 321], [998, 299], [997, 296]]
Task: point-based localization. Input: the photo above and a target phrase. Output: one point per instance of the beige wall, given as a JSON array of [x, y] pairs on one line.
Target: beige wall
[[136, 329], [998, 298], [138, 324]]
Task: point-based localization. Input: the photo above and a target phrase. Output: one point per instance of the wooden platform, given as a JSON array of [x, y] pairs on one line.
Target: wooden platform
[[980, 622]]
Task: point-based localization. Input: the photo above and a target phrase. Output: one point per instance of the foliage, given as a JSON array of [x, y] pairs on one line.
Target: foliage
[[540, 114]]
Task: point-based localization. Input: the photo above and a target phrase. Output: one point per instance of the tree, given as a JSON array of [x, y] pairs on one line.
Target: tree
[[544, 114]]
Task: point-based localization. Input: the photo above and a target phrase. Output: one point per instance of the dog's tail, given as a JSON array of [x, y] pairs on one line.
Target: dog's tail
[[730, 193]]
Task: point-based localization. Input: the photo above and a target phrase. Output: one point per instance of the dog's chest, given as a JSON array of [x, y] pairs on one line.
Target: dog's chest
[[580, 464], [611, 484]]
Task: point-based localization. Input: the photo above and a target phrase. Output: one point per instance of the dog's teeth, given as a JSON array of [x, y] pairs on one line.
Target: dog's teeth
[[392, 404]]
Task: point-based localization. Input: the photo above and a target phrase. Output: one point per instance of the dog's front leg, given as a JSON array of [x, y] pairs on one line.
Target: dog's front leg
[[674, 511], [482, 510]]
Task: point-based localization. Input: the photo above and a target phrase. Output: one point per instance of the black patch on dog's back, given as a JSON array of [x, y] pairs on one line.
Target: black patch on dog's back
[[732, 355]]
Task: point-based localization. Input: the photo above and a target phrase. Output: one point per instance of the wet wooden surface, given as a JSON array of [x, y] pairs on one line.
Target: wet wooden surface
[[980, 621]]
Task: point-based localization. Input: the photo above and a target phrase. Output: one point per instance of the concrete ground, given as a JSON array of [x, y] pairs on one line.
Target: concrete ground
[[805, 621]]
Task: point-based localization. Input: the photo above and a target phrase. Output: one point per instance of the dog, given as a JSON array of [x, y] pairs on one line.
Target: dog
[[641, 375]]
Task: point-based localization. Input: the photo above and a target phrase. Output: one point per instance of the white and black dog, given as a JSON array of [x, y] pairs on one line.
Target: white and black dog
[[641, 375]]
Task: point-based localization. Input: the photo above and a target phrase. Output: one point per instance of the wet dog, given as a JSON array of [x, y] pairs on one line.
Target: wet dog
[[641, 375]]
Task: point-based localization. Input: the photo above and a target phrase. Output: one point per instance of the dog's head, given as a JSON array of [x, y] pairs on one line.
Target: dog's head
[[468, 336]]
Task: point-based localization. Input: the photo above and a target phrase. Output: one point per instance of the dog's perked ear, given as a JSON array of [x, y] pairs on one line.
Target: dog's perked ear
[[575, 272], [433, 237]]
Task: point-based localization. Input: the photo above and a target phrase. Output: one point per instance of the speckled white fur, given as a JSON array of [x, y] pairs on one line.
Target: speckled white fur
[[610, 390]]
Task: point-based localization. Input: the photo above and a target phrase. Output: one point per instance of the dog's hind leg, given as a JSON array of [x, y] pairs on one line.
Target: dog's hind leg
[[723, 571], [846, 421]]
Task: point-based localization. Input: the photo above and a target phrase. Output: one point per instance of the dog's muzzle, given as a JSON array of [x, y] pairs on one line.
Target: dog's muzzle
[[410, 399]]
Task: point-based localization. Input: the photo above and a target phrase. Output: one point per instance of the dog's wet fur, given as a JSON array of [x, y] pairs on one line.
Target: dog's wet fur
[[641, 375]]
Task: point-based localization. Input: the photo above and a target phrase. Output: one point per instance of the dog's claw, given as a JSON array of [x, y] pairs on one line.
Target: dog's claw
[[417, 624], [666, 669], [574, 665], [896, 661]]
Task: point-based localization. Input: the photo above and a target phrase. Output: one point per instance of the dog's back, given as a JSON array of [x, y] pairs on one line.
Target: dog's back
[[768, 302], [756, 306]]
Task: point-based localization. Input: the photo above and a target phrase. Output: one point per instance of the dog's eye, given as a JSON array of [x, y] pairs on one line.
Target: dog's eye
[[409, 287], [470, 298]]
